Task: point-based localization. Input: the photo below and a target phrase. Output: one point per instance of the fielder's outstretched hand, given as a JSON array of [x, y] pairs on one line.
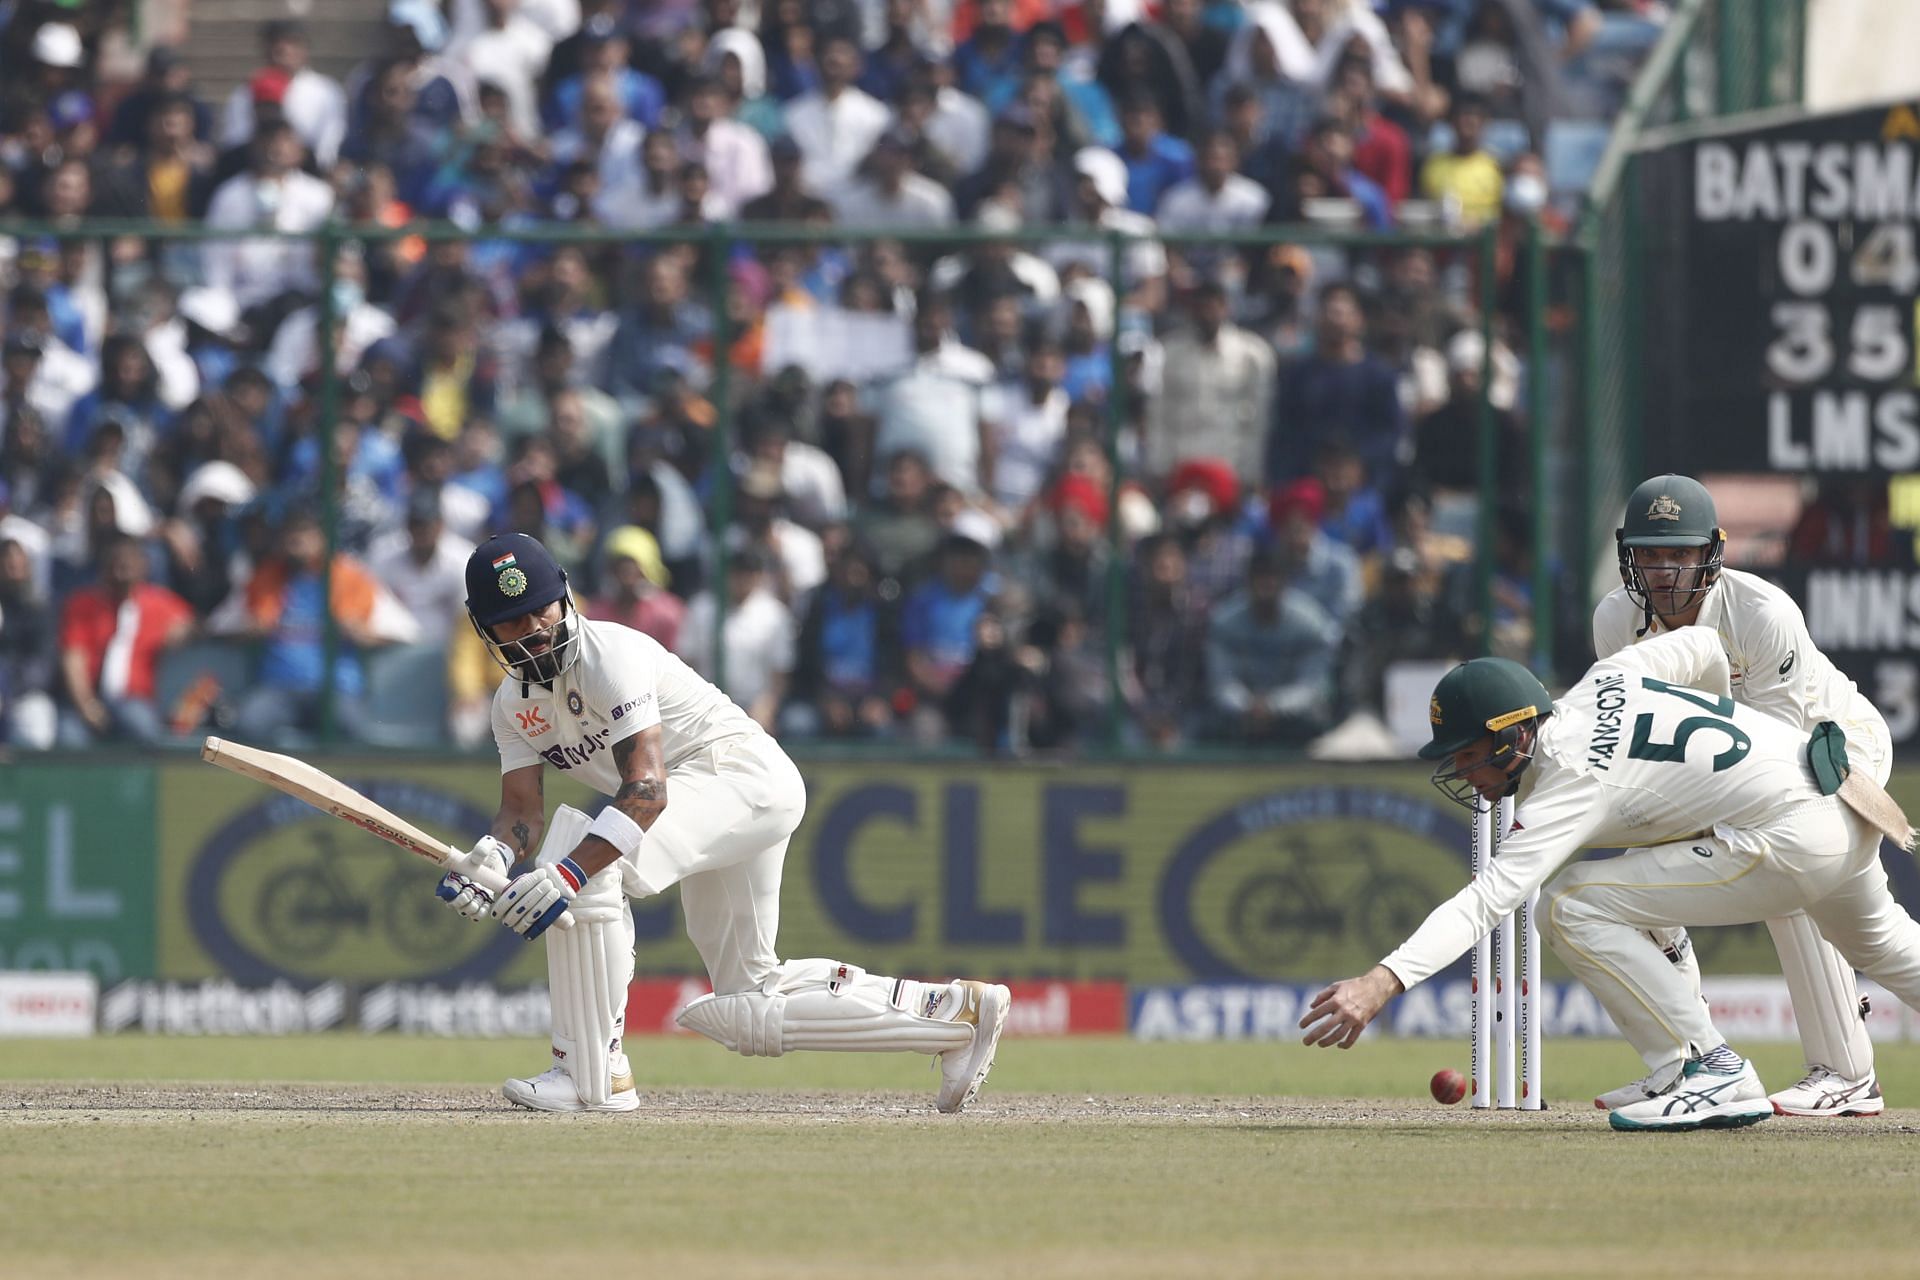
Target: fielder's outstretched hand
[[1340, 1013]]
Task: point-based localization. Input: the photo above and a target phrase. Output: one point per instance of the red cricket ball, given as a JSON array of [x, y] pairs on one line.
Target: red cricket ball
[[1448, 1086]]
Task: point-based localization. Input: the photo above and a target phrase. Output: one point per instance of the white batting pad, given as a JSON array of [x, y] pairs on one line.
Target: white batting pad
[[589, 966], [1826, 998], [830, 1006]]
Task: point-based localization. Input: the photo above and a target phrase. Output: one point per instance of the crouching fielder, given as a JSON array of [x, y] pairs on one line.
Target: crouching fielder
[[608, 705], [1733, 817]]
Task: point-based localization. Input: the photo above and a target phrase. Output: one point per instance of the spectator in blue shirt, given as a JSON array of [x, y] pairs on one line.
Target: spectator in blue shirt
[[937, 622], [846, 669], [988, 63], [1155, 161], [1341, 390], [1270, 659], [659, 334], [606, 54]]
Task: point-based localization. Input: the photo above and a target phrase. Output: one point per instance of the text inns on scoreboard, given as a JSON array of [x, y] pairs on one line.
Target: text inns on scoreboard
[[1839, 287]]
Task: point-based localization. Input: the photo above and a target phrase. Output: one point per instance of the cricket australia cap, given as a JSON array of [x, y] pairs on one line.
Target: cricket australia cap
[[1670, 511], [1480, 697], [510, 574]]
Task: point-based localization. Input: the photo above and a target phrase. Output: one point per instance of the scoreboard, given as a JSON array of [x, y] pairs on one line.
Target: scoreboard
[[1784, 268]]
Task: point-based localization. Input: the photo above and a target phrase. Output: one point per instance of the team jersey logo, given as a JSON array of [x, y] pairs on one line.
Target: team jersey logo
[[532, 722], [574, 702], [1433, 711], [512, 581], [1663, 508]]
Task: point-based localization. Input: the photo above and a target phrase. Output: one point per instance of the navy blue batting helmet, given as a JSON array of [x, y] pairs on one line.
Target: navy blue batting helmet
[[510, 574]]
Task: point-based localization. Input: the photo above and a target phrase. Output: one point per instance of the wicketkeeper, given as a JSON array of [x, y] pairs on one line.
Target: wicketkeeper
[[702, 798], [1733, 816]]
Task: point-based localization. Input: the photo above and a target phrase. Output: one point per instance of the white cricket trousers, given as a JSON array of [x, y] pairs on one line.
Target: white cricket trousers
[[723, 839], [1814, 855]]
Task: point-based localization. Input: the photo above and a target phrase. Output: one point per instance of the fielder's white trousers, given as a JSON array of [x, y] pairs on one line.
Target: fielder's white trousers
[[1816, 856], [723, 839]]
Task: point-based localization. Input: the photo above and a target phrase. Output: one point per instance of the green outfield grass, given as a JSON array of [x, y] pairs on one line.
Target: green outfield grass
[[1230, 1160]]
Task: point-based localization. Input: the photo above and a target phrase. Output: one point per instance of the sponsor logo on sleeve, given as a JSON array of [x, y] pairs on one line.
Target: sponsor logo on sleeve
[[1788, 664], [631, 705]]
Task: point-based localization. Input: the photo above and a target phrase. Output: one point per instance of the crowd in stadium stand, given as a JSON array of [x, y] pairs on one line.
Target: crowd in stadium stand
[[928, 538]]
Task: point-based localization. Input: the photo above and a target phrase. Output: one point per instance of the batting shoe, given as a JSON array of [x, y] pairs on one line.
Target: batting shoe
[[1701, 1099], [964, 1070], [1825, 1092], [554, 1090]]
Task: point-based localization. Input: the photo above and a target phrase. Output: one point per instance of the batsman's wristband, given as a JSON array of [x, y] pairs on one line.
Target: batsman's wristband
[[618, 830]]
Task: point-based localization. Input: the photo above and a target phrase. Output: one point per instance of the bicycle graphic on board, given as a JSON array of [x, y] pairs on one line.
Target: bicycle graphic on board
[[307, 908], [1277, 914]]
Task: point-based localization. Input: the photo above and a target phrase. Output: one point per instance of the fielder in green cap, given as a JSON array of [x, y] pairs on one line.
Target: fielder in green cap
[[1672, 575], [1725, 821]]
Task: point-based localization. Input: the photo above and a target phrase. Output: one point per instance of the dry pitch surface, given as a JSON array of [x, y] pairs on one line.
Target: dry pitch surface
[[742, 1178]]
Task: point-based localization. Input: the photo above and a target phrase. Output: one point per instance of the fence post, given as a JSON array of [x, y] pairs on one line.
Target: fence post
[[329, 476], [720, 446], [1538, 410], [1116, 568], [1485, 446]]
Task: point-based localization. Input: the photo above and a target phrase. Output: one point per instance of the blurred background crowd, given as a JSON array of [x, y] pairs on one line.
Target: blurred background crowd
[[1004, 491]]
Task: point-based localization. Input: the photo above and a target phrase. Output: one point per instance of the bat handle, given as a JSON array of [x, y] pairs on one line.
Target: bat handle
[[493, 881]]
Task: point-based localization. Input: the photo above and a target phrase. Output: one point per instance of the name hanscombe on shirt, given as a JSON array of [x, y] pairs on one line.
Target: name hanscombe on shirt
[[1611, 700]]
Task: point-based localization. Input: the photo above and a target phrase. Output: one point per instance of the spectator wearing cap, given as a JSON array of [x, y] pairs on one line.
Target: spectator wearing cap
[[168, 76], [757, 640], [1203, 507], [170, 177], [1024, 430], [312, 103], [357, 324], [1216, 391], [937, 624], [1326, 570], [1100, 200], [111, 637], [735, 155], [272, 194], [60, 58], [423, 565], [837, 124], [634, 590], [891, 194], [932, 407], [202, 540], [848, 663], [1340, 390], [28, 654], [1271, 655], [1070, 561]]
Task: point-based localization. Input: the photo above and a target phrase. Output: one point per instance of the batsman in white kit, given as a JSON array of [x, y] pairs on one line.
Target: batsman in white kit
[[1671, 550], [1729, 816], [700, 797]]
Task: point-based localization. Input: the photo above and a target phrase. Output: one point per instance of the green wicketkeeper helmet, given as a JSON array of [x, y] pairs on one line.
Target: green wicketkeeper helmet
[[1494, 696], [1670, 511]]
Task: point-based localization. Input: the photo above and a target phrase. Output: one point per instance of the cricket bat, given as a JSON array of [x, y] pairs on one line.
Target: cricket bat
[[328, 794]]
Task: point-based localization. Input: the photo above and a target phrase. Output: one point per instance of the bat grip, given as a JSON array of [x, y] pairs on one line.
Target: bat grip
[[493, 881]]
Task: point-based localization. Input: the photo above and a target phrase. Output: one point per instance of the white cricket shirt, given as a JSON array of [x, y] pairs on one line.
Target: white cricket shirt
[[622, 682]]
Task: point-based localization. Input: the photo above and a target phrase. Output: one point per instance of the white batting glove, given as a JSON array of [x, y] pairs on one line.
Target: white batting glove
[[535, 900], [462, 894]]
